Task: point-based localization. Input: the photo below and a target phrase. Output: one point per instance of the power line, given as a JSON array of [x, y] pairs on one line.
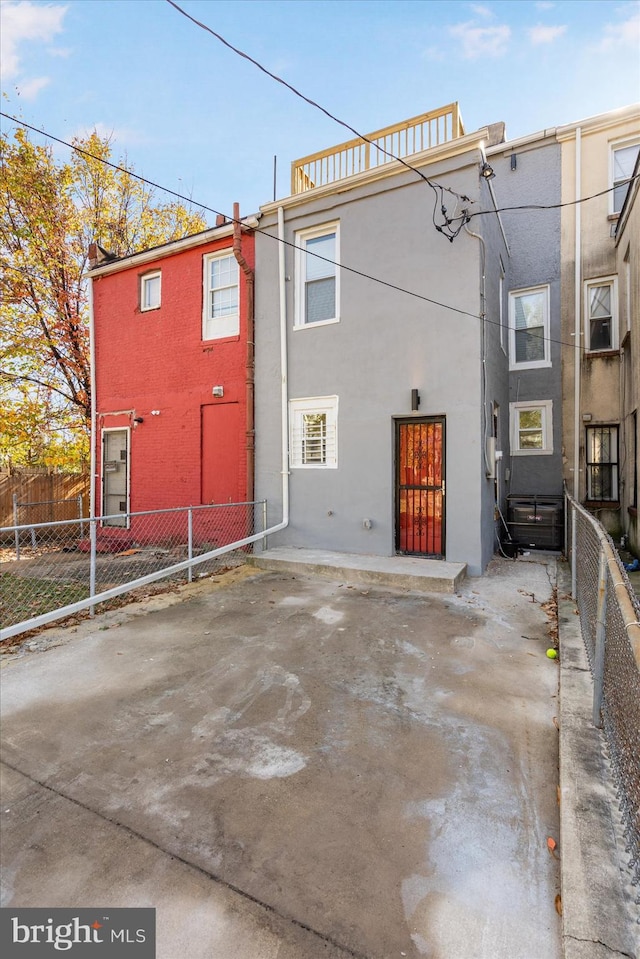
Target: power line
[[555, 206], [444, 227], [342, 266]]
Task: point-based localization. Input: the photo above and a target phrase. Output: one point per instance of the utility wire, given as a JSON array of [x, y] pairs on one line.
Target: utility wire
[[444, 227], [230, 219], [554, 206]]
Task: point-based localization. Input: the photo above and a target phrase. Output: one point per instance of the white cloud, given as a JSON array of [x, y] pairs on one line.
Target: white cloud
[[120, 137], [541, 34], [545, 5], [623, 34], [23, 21], [481, 41], [481, 11], [30, 89]]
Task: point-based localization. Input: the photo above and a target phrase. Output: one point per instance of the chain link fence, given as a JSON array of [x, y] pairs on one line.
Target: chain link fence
[[610, 621], [51, 570]]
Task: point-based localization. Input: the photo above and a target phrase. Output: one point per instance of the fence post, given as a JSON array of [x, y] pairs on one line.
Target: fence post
[[190, 542], [264, 521], [93, 542], [80, 516], [16, 524], [574, 564], [598, 668]]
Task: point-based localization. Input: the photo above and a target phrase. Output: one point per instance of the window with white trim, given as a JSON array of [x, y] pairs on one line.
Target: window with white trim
[[601, 314], [529, 328], [221, 310], [313, 423], [317, 290], [531, 428], [623, 161], [150, 291], [602, 463]]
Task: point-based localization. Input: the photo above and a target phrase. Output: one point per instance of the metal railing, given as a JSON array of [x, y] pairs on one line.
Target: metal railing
[[355, 156], [610, 620], [76, 564]]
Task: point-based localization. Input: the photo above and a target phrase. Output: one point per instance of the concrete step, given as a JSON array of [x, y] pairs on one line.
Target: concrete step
[[401, 572]]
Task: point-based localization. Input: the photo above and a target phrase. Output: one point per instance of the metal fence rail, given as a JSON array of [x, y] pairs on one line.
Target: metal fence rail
[[610, 621], [52, 570]]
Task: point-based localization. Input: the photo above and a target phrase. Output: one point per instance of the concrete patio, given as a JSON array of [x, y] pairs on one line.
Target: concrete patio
[[288, 766]]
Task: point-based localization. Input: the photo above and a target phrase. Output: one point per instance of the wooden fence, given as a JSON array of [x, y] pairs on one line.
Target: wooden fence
[[43, 497]]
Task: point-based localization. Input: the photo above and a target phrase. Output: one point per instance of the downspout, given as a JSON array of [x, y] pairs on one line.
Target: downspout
[[577, 346], [489, 469], [284, 387], [250, 362]]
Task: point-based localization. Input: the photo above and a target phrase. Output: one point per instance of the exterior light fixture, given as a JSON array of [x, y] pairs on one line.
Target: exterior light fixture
[[486, 171], [138, 419], [415, 401]]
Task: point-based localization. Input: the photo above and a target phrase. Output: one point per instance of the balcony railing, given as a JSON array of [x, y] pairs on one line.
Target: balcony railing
[[356, 156]]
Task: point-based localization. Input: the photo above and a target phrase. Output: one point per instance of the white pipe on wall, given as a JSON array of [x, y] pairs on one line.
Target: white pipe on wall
[[577, 330]]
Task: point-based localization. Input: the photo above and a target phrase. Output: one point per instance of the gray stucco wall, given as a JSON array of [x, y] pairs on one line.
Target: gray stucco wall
[[534, 242], [386, 344]]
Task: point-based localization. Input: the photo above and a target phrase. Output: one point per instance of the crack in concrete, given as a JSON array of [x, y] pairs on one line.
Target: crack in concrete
[[199, 869], [599, 942]]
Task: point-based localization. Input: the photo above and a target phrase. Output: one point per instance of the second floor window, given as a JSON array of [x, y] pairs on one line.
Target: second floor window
[[317, 282], [221, 315], [601, 319], [529, 327], [150, 291]]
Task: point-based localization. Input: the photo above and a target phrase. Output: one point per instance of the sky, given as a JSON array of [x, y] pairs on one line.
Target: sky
[[190, 114]]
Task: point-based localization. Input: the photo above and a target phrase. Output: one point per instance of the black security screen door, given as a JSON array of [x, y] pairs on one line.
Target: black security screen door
[[420, 487]]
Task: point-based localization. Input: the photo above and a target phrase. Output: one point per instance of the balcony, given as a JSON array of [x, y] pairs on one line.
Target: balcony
[[359, 155]]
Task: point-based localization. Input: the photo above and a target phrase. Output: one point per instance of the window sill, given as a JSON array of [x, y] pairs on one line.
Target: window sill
[[534, 365], [613, 217], [311, 326], [601, 354], [149, 309], [208, 344], [601, 504], [531, 452], [632, 511]]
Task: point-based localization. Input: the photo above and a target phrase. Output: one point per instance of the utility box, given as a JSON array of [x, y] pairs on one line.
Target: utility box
[[536, 522]]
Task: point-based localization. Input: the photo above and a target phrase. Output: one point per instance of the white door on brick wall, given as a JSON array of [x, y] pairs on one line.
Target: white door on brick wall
[[115, 477]]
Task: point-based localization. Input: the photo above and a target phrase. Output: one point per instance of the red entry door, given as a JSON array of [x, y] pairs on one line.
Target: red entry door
[[420, 487], [221, 466]]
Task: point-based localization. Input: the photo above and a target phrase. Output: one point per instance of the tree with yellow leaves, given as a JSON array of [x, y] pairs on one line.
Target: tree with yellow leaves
[[49, 214]]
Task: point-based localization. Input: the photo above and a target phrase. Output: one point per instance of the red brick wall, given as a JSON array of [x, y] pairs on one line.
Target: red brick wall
[[157, 360]]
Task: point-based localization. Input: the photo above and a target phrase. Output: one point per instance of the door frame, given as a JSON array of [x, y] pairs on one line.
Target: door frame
[[127, 515], [399, 421]]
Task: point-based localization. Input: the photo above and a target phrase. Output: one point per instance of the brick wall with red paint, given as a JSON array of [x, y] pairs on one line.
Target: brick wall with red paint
[[156, 360]]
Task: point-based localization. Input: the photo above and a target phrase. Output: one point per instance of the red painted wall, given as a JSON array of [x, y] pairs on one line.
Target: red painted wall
[[156, 360]]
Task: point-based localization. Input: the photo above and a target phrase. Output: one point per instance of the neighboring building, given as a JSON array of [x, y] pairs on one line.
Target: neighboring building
[[598, 154], [396, 388], [172, 332], [628, 272]]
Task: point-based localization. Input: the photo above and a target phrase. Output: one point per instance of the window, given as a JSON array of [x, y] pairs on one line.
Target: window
[[221, 316], [529, 328], [531, 428], [601, 314], [314, 432], [623, 160], [602, 463], [150, 291], [317, 279]]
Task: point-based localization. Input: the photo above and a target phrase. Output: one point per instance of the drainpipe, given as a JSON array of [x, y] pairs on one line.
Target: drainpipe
[[284, 397], [250, 364], [577, 346]]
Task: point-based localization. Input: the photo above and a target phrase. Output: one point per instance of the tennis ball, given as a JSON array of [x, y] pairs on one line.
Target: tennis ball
[[552, 654]]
